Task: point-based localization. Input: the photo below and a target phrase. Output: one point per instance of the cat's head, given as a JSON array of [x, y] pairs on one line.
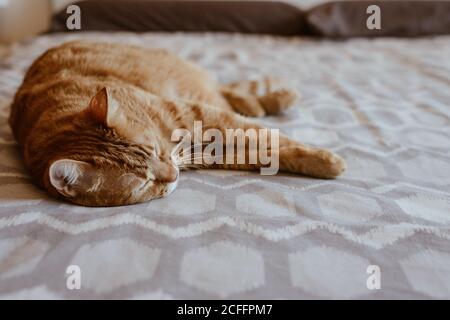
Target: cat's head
[[101, 167]]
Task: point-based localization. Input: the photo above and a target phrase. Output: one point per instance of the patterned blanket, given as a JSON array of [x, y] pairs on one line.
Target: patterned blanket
[[380, 231]]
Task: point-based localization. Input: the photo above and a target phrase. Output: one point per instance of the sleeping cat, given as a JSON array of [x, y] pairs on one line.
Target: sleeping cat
[[94, 122]]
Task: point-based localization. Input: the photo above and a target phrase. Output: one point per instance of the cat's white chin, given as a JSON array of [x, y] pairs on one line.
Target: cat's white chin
[[171, 187]]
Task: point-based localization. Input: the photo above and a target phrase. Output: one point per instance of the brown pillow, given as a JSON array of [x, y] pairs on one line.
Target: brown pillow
[[261, 17], [345, 19]]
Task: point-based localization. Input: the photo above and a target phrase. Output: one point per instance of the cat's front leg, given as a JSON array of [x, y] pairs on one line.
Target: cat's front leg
[[244, 144], [313, 162]]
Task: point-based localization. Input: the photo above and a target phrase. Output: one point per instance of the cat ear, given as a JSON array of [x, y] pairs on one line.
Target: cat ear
[[102, 108], [65, 173]]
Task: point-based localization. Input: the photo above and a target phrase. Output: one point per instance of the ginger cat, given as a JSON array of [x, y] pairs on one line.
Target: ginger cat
[[94, 122]]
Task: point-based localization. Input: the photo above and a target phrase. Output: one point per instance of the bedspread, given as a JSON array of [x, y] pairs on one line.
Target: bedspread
[[380, 231]]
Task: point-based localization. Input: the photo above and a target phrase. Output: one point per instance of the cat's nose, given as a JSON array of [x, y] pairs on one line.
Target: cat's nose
[[167, 174]]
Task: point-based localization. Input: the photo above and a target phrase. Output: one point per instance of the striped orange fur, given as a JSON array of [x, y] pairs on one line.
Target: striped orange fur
[[94, 121]]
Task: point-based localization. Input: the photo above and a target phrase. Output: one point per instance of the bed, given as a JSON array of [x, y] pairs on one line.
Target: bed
[[383, 104]]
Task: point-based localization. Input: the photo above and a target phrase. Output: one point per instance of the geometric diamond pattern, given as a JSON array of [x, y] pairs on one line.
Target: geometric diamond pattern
[[238, 235], [344, 273], [138, 262], [344, 207], [212, 267], [428, 272], [426, 168]]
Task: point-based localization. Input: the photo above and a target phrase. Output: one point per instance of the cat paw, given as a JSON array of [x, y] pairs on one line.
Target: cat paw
[[336, 167], [329, 165], [317, 163], [279, 100]]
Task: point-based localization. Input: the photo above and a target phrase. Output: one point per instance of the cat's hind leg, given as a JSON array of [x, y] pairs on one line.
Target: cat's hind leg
[[257, 98]]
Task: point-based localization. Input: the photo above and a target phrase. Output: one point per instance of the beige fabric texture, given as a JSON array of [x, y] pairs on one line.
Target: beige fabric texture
[[382, 104]]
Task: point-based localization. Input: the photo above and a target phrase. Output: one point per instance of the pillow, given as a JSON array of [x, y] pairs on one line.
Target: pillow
[[263, 17], [343, 19]]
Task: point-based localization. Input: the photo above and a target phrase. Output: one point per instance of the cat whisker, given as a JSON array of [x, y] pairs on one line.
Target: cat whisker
[[191, 159], [188, 157], [179, 147]]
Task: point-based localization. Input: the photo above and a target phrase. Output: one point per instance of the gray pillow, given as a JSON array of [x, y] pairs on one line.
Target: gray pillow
[[344, 19], [260, 17]]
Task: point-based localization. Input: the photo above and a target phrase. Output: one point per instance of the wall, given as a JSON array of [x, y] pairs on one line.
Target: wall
[[60, 4], [22, 18]]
